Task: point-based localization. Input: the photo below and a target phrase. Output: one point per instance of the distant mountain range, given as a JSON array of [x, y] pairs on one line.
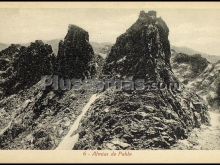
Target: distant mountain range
[[189, 51], [99, 48], [3, 46], [104, 48]]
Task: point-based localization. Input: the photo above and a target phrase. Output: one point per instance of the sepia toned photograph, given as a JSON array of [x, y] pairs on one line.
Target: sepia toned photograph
[[107, 79]]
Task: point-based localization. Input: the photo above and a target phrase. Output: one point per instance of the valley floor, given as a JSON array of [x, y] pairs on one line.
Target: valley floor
[[204, 138]]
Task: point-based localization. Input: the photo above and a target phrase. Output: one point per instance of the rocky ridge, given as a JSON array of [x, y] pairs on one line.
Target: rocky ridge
[[141, 119], [199, 75], [32, 118], [35, 117], [21, 67], [75, 57]]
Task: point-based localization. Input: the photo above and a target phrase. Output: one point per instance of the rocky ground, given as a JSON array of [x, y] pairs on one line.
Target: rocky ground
[[69, 141], [35, 119], [204, 138], [145, 119], [32, 118], [199, 75]]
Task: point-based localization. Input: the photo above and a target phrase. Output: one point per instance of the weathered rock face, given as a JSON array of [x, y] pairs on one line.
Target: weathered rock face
[[38, 119], [199, 75], [141, 119], [194, 64], [33, 118], [7, 59], [154, 120], [22, 67], [75, 57], [142, 52], [34, 61], [99, 65]]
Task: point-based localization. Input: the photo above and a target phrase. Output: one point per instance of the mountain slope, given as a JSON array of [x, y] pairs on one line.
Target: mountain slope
[[189, 51], [21, 67], [3, 46], [75, 58], [198, 75], [39, 117], [145, 118]]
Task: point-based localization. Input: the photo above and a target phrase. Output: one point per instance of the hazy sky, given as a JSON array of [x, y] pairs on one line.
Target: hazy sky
[[197, 29]]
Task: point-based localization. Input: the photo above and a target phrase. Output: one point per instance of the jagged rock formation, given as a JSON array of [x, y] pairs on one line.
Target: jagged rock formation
[[7, 59], [141, 119], [99, 65], [217, 98], [142, 51], [198, 75], [75, 57], [21, 67], [34, 118], [188, 67], [189, 51], [38, 119]]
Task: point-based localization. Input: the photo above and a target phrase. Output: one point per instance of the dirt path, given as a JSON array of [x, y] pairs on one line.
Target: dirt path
[[71, 138], [205, 138]]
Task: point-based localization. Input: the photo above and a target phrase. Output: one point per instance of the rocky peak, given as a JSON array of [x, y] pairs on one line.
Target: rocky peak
[[143, 51], [75, 57], [141, 119], [76, 35], [7, 56], [150, 14], [26, 66]]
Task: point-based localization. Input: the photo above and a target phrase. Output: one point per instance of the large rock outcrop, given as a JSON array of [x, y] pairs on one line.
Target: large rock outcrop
[[142, 52], [21, 66], [199, 75], [75, 57], [151, 118], [188, 67], [38, 117]]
